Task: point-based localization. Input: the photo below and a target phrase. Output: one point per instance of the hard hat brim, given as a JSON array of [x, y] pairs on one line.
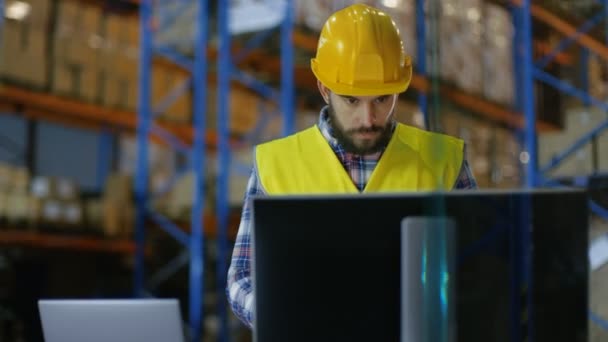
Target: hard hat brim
[[364, 89]]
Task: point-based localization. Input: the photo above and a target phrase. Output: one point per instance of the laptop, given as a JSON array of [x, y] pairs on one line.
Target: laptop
[[116, 320]]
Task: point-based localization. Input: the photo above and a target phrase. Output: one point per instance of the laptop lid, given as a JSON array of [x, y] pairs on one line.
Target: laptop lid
[[117, 320]]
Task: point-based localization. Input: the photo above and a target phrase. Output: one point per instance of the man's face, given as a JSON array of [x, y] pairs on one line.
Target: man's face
[[361, 124]]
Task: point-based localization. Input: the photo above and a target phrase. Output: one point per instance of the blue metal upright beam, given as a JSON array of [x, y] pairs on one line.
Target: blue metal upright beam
[[585, 73], [193, 242], [1, 19], [224, 157], [527, 93], [197, 260], [143, 132], [605, 6], [287, 66], [421, 58], [521, 258]]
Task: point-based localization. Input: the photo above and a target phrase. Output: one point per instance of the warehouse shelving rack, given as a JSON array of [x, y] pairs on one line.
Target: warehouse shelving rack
[[198, 66], [529, 71]]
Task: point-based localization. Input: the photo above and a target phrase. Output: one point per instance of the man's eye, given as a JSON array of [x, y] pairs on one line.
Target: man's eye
[[382, 99], [352, 100]]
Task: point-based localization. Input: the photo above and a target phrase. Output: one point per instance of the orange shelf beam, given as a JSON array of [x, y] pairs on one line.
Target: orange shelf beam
[[65, 242], [491, 110], [566, 28], [37, 105]]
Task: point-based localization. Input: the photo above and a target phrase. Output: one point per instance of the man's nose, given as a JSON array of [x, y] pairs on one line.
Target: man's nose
[[368, 115]]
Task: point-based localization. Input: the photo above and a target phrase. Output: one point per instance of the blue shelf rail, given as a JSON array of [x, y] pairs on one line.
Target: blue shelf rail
[[198, 66], [527, 72], [1, 21], [285, 97], [197, 82]]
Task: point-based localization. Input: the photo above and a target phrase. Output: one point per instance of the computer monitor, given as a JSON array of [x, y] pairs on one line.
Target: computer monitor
[[327, 268], [117, 320]]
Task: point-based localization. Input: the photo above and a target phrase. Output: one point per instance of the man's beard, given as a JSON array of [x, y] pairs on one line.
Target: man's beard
[[347, 142]]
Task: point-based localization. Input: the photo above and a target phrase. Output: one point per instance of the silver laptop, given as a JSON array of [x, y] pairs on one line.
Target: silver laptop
[[117, 320]]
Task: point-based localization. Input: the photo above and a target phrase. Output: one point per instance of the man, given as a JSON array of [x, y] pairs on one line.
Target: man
[[356, 146]]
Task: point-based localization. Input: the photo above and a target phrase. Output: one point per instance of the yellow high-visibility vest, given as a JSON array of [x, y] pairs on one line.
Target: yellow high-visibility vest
[[304, 163]]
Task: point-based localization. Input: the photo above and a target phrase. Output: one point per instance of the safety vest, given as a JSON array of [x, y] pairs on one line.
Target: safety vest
[[304, 163]]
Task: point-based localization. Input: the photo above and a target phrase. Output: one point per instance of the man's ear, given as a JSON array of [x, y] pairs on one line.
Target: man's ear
[[324, 91]]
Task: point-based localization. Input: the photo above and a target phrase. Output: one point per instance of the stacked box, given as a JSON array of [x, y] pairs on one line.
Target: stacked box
[[55, 203], [17, 195], [450, 123], [245, 109], [131, 61], [314, 13], [118, 206], [405, 18], [598, 77], [579, 121], [477, 136], [461, 44], [119, 62], [78, 44], [166, 80], [6, 174], [23, 57], [5, 187], [498, 82], [506, 164]]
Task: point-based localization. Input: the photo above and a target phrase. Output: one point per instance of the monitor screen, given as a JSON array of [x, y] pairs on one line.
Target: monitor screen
[[327, 268]]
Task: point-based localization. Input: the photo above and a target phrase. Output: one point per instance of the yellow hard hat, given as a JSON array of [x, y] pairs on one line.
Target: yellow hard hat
[[360, 53]]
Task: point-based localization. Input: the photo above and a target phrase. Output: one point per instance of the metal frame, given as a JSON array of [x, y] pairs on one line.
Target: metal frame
[[421, 59], [226, 72], [1, 20], [196, 157], [527, 71]]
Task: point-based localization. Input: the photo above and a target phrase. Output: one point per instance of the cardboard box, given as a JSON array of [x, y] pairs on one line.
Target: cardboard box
[[78, 47], [579, 121], [498, 76], [52, 212], [121, 92], [20, 179], [18, 209], [93, 214], [65, 78], [4, 204], [68, 33], [72, 213], [43, 187], [39, 16], [67, 189], [118, 219], [118, 188], [23, 54], [6, 176]]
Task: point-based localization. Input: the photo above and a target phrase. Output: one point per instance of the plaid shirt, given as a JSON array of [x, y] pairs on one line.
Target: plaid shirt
[[239, 287]]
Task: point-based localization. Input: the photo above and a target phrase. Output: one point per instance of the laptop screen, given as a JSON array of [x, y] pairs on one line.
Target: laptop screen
[[117, 320]]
